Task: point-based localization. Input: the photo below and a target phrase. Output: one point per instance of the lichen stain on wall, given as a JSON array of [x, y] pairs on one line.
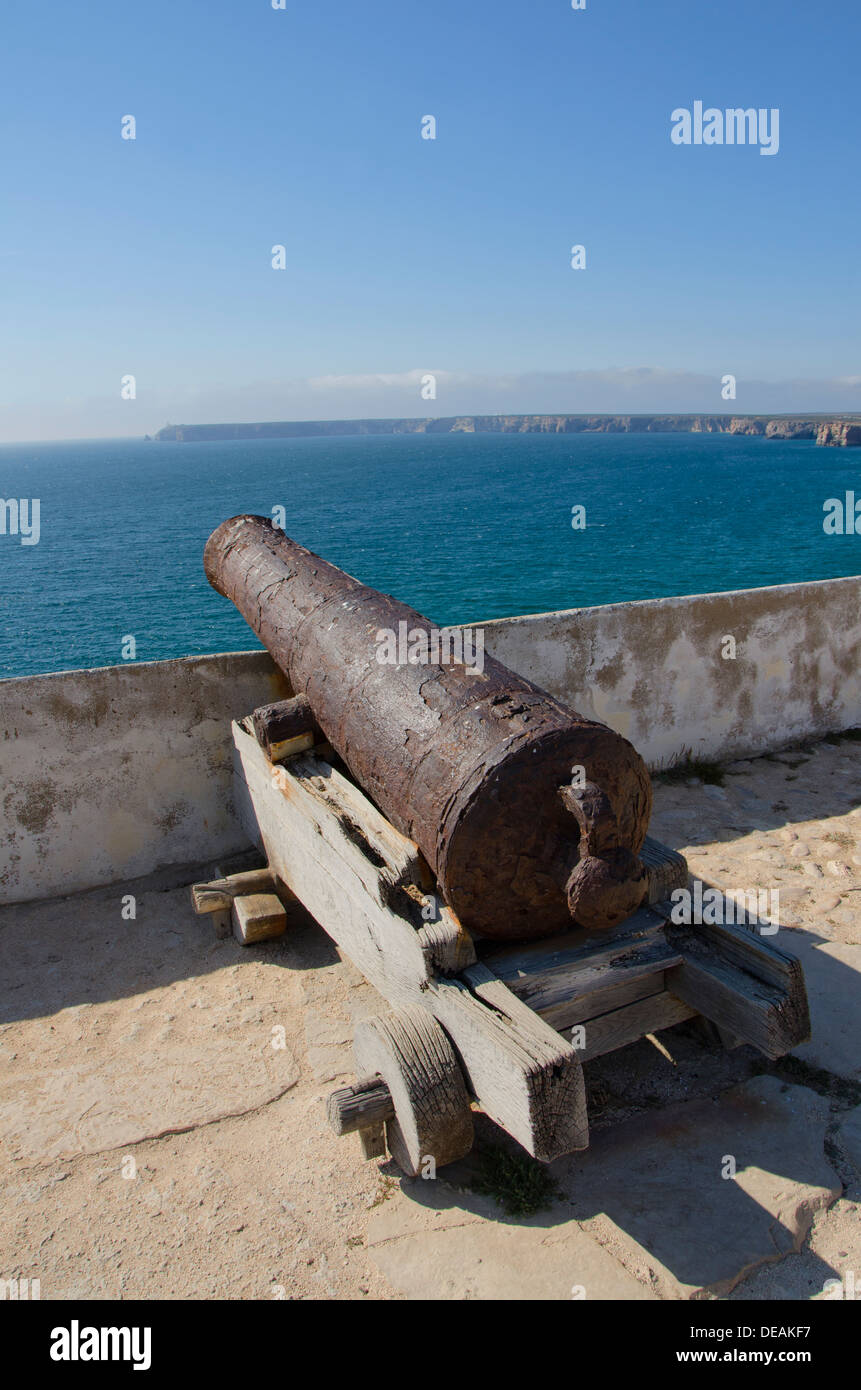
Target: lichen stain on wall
[[140, 775], [655, 670]]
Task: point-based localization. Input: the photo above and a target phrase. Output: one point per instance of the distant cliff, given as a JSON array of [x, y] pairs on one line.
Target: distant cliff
[[841, 431]]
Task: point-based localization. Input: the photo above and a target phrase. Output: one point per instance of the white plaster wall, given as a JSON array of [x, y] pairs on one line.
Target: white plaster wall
[[655, 670], [111, 773]]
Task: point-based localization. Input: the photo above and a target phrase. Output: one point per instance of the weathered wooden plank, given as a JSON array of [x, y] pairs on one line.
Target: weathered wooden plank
[[744, 954], [523, 1074], [341, 866], [485, 984], [386, 852], [666, 869], [745, 945], [217, 895], [737, 1002], [580, 1008], [622, 1026], [529, 1081], [644, 926], [555, 977], [390, 865]]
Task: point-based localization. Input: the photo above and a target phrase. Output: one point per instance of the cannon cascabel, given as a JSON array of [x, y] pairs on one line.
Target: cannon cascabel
[[476, 766]]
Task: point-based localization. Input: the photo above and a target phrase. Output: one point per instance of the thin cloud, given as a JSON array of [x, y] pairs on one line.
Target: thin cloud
[[611, 390]]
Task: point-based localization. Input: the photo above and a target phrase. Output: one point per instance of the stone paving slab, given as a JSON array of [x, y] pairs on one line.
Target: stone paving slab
[[654, 1190], [105, 1043], [450, 1248], [827, 1269]]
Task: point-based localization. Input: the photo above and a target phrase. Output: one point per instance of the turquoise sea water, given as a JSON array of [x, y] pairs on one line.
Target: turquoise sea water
[[463, 527]]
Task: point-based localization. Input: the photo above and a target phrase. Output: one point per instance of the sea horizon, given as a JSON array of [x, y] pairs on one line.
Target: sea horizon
[[823, 414], [465, 527]]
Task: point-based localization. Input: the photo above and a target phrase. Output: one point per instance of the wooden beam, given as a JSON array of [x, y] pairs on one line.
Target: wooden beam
[[580, 1009], [741, 977], [340, 857], [218, 894], [390, 866], [368, 1102], [666, 869], [556, 977], [627, 1025], [737, 1002], [525, 1075]]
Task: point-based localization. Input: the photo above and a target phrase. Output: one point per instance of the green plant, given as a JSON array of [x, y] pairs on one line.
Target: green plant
[[517, 1182], [712, 773]]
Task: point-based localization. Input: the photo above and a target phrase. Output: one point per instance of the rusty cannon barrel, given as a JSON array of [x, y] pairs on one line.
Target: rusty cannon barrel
[[529, 814]]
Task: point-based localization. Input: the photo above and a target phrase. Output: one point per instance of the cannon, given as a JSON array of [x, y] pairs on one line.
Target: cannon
[[395, 779], [530, 815]]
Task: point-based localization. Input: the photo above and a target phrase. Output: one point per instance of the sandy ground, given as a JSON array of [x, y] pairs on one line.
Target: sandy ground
[[162, 1103]]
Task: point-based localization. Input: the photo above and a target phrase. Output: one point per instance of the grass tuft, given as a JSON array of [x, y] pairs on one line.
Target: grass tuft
[[520, 1184], [712, 773], [847, 736]]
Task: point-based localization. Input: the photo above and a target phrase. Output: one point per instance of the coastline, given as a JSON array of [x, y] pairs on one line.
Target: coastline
[[839, 431]]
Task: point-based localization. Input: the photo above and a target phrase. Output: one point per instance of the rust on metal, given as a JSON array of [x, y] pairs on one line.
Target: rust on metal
[[474, 765]]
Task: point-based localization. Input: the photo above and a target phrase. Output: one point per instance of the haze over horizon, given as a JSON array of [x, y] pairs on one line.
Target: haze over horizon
[[408, 257]]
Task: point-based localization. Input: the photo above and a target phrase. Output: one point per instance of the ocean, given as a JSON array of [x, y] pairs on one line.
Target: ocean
[[463, 527]]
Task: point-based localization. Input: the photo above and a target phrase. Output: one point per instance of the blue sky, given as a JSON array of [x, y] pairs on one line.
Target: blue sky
[[404, 256]]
